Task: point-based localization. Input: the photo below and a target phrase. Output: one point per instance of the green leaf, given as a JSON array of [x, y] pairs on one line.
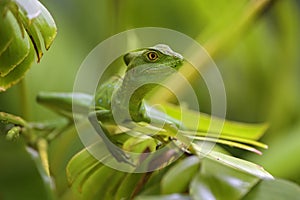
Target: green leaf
[[37, 23], [62, 103], [274, 189], [18, 72], [226, 142], [78, 164], [128, 185], [218, 181], [23, 26], [225, 137], [32, 32], [31, 7], [239, 164], [39, 16], [84, 170], [151, 187], [178, 178], [6, 33], [46, 25], [17, 50], [114, 184], [139, 144], [230, 128], [164, 197], [98, 184]]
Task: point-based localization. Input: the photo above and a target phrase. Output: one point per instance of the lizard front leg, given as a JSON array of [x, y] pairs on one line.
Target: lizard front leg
[[173, 129], [95, 119]]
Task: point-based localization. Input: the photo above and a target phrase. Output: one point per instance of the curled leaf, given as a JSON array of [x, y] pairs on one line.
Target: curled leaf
[[24, 26]]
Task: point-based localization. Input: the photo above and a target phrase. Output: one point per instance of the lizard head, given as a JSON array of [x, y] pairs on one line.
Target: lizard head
[[158, 60]]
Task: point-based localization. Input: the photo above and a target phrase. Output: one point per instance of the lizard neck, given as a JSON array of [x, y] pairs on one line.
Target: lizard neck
[[129, 91]]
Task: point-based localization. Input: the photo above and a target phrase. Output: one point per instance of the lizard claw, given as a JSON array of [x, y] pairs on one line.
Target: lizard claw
[[120, 155]]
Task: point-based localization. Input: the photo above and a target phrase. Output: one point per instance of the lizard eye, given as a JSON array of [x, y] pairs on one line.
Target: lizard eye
[[152, 56]]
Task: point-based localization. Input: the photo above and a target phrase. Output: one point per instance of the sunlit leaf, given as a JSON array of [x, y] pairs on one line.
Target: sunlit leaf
[[37, 15], [230, 128], [40, 28], [139, 144], [226, 142], [31, 7], [226, 137], [32, 33], [239, 164], [46, 25]]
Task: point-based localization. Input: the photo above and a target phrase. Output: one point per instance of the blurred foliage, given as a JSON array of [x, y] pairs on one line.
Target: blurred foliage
[[260, 69]]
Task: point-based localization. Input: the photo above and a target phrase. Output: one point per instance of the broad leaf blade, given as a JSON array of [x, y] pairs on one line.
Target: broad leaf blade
[[33, 34], [37, 15], [274, 189], [23, 24], [98, 183], [79, 163], [18, 72], [6, 32], [127, 186], [230, 128], [178, 178], [46, 25], [62, 103], [31, 7], [239, 164], [218, 181], [164, 197], [17, 50]]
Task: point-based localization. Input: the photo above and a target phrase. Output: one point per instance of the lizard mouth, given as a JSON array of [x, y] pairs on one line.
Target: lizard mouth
[[174, 64], [161, 69]]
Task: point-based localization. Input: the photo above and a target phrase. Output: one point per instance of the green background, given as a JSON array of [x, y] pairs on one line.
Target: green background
[[260, 68]]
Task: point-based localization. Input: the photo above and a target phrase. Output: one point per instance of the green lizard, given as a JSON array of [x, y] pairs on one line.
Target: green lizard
[[119, 102], [114, 99]]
